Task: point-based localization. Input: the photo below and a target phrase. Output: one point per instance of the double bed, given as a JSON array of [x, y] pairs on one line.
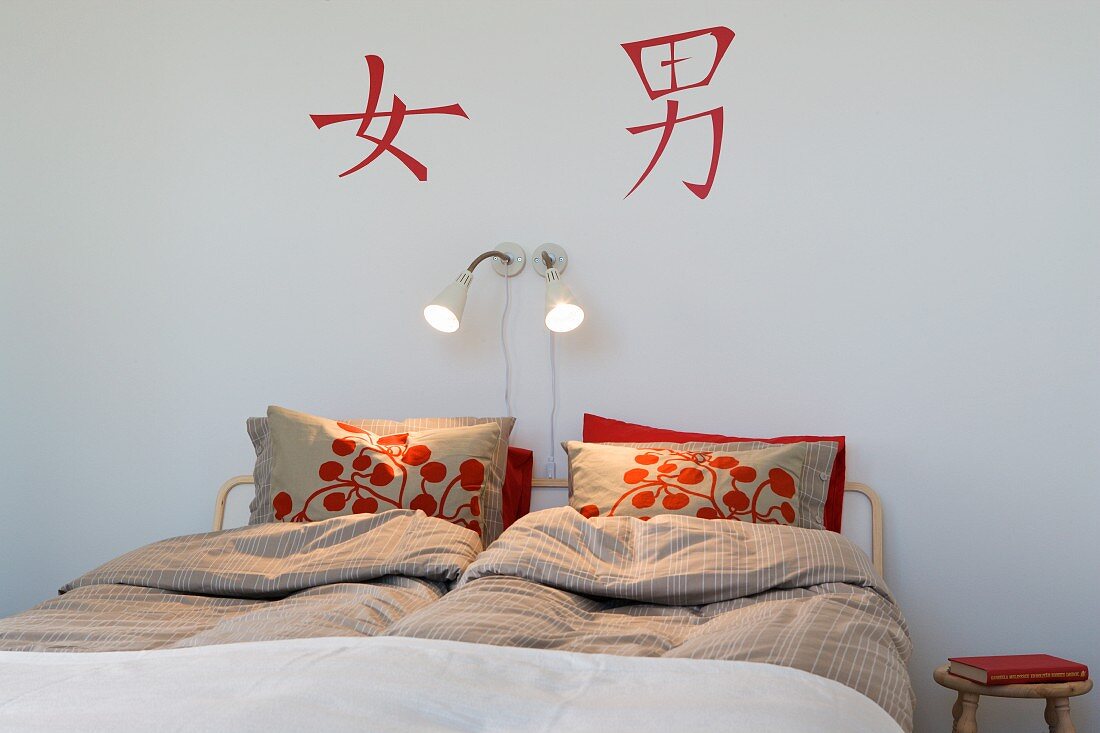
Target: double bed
[[398, 620]]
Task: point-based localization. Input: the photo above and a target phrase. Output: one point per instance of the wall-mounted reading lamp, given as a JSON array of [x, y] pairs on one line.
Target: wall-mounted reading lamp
[[563, 313], [445, 312]]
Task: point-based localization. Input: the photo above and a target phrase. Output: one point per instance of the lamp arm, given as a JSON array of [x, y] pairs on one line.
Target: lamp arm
[[505, 258], [547, 259]]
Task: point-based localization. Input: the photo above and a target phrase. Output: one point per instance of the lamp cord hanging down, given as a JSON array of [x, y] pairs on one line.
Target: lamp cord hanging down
[[550, 465], [504, 346]]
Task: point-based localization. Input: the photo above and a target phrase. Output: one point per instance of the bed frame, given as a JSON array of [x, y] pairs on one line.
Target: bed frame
[[561, 483]]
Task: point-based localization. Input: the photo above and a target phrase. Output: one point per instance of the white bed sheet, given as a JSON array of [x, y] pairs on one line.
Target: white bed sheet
[[398, 684]]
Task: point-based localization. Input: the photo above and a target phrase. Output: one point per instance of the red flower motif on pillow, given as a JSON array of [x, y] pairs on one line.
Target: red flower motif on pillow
[[369, 473], [685, 478]]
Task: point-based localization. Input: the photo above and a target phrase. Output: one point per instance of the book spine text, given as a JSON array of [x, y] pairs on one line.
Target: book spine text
[[1035, 676]]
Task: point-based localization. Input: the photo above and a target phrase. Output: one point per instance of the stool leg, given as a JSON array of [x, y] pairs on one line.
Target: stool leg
[[1057, 715], [965, 713]]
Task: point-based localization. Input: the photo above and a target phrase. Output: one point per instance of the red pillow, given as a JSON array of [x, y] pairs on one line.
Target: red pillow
[[605, 430], [516, 493]]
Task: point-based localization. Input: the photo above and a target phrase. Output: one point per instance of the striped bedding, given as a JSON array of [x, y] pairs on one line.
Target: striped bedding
[[347, 576], [674, 587], [683, 587]]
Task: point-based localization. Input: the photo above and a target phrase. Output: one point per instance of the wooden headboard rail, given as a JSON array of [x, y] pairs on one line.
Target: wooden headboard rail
[[551, 483]]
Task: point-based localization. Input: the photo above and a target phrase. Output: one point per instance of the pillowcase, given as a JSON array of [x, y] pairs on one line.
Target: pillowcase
[[491, 499], [324, 468], [704, 480], [516, 496], [261, 509], [826, 458]]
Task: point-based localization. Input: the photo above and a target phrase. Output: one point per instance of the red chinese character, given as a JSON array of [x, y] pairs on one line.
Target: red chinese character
[[397, 116], [722, 38]]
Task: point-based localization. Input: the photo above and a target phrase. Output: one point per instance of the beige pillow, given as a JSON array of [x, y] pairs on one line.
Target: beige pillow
[[706, 480], [492, 496], [261, 509], [324, 468]]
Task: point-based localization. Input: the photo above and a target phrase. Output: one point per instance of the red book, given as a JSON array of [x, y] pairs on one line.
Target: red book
[[1017, 669]]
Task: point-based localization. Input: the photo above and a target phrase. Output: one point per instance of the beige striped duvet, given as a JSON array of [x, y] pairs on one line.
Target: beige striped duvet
[[683, 587], [670, 587], [348, 576]]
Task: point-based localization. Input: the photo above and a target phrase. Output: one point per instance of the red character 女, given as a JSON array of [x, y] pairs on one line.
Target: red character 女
[[396, 114]]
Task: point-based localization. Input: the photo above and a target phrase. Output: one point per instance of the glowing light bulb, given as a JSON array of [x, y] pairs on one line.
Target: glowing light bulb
[[445, 312]]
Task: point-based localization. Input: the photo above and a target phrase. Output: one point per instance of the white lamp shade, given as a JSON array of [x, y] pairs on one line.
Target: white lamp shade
[[563, 313], [445, 312]]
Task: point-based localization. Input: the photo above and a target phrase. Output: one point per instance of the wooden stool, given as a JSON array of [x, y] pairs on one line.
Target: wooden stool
[[1057, 694]]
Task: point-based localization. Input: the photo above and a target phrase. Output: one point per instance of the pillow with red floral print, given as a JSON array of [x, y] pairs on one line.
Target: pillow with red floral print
[[325, 468], [762, 486], [501, 482], [827, 454]]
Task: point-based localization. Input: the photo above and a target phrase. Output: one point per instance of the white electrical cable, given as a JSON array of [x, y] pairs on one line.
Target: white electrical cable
[[504, 345], [550, 473]]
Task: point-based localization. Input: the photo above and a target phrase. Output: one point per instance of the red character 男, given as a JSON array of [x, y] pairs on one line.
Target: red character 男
[[722, 38]]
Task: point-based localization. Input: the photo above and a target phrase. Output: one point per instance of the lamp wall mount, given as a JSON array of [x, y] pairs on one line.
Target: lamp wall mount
[[515, 265], [560, 258]]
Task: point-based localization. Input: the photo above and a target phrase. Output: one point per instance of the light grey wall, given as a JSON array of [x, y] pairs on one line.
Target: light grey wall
[[901, 246]]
